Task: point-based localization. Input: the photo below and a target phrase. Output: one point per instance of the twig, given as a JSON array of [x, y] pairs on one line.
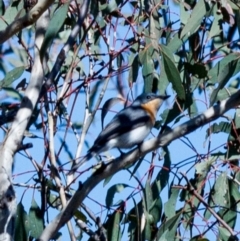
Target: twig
[[54, 171], [199, 197]]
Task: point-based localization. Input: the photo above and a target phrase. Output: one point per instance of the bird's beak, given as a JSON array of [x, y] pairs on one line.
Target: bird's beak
[[164, 97]]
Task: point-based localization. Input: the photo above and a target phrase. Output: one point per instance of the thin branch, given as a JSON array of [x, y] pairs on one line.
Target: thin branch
[[54, 170], [199, 197], [29, 18]]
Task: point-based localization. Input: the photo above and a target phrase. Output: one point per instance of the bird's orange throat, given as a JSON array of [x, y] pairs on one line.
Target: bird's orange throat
[[152, 107]]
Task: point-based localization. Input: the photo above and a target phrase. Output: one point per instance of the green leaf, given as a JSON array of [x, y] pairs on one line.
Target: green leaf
[[147, 71], [136, 166], [154, 31], [11, 92], [81, 216], [133, 71], [216, 27], [189, 104], [163, 80], [192, 109], [148, 195], [35, 220], [184, 14], [224, 127], [54, 26], [133, 218], [218, 68], [2, 7], [10, 14], [168, 229], [117, 188], [94, 9], [169, 115], [172, 72], [170, 205], [113, 224], [162, 177], [195, 19], [229, 216], [221, 191], [229, 70], [224, 234], [224, 93], [234, 191], [203, 168], [175, 43], [21, 224], [107, 180], [12, 76], [207, 214], [228, 155], [115, 233], [54, 201], [155, 210], [106, 107], [237, 119]]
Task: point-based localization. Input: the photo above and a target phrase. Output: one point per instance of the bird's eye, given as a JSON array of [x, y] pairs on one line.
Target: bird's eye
[[148, 96]]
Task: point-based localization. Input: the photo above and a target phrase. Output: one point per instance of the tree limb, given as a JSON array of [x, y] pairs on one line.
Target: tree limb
[[14, 137], [29, 18]]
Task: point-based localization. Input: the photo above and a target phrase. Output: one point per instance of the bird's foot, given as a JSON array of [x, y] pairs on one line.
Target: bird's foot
[[121, 152]]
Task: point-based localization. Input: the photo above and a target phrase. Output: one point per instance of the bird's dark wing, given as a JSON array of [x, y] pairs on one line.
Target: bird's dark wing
[[126, 120]]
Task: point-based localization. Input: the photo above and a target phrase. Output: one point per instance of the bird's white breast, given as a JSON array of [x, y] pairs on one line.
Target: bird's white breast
[[130, 139]]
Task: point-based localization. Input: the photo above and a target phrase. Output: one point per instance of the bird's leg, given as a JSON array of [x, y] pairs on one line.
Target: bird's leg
[[139, 145], [99, 158], [121, 152]]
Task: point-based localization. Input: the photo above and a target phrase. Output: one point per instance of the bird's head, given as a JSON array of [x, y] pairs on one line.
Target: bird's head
[[150, 100]]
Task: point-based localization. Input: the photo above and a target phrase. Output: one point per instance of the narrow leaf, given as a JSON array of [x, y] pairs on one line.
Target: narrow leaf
[[112, 191], [170, 205], [172, 72], [12, 76], [221, 191], [133, 71], [21, 224], [195, 19], [35, 220], [107, 105], [54, 27], [218, 68], [231, 69], [168, 228]]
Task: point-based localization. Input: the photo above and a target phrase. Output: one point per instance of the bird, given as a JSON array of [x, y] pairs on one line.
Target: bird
[[128, 128]]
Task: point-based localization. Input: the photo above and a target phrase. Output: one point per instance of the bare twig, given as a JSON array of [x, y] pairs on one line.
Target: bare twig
[[55, 173], [199, 197]]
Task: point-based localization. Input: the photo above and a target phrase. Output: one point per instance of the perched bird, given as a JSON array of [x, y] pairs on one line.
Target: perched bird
[[128, 128]]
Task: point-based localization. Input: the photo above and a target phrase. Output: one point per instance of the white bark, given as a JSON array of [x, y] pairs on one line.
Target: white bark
[[14, 137]]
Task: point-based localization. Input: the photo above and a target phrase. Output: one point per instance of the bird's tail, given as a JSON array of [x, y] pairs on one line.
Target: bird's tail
[[81, 162]]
